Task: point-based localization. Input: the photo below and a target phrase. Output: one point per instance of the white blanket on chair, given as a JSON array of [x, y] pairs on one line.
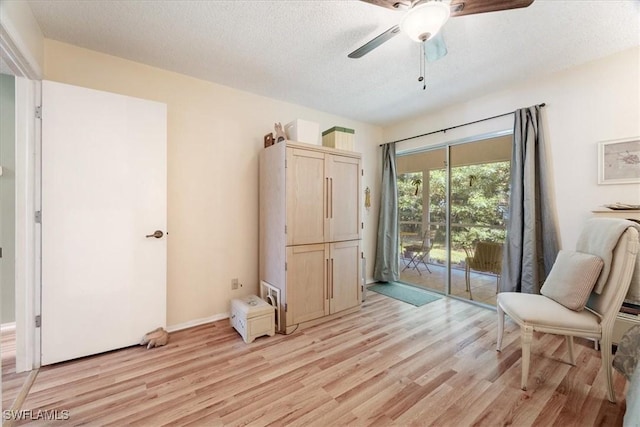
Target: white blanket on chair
[[600, 238]]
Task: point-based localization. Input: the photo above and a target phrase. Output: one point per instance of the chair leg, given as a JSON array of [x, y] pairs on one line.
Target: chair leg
[[417, 268], [412, 261], [500, 327], [467, 278], [406, 265], [416, 263], [605, 352], [527, 336], [569, 340], [425, 263]]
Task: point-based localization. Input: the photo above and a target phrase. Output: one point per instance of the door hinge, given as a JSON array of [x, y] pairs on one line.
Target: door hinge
[[285, 164], [38, 217], [285, 266], [361, 172], [286, 307], [38, 321], [362, 225], [39, 112], [285, 229]]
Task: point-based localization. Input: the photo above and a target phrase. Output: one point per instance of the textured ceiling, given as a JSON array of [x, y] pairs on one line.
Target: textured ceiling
[[296, 51]]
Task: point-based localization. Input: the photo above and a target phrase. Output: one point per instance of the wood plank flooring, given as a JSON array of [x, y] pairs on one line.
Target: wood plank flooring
[[390, 364], [11, 382]]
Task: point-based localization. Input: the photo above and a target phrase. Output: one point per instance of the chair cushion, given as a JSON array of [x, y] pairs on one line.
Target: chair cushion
[[572, 278], [546, 315]]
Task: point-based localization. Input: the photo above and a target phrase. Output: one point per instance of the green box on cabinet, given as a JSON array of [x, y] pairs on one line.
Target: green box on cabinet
[[338, 137]]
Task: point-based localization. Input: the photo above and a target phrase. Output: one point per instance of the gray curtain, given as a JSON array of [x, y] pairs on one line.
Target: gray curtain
[[532, 237], [386, 262]]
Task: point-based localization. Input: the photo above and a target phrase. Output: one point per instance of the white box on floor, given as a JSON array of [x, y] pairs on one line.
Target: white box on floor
[[252, 317]]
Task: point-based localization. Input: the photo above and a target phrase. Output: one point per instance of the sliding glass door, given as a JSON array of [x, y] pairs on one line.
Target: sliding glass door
[[421, 188], [452, 217]]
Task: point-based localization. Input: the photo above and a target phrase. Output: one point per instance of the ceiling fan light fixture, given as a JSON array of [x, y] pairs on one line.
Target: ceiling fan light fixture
[[424, 21]]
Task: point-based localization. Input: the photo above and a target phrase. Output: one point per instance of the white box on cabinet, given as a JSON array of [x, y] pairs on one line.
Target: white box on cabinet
[[303, 131]]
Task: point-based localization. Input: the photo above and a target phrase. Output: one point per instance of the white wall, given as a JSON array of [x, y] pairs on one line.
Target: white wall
[[214, 136], [594, 102]]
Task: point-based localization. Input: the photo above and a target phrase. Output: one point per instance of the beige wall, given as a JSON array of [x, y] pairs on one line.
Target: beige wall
[[214, 137], [594, 102]]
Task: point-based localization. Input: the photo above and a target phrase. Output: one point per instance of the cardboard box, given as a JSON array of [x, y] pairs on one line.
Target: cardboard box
[[339, 137], [303, 131]]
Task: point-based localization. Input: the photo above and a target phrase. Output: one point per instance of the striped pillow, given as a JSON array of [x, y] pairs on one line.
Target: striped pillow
[[572, 278]]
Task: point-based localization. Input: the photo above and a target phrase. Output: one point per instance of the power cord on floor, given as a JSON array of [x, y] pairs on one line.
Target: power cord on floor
[[285, 333]]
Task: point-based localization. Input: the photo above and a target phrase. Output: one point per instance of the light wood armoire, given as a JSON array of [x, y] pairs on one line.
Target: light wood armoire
[[310, 231]]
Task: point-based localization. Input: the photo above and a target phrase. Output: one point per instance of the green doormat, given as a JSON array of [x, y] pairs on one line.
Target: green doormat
[[404, 293]]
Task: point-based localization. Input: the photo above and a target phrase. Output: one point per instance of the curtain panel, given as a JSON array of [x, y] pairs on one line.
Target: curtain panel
[[532, 236], [387, 247]]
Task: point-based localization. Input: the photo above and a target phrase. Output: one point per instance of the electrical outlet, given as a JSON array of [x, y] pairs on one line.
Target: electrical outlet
[[234, 284]]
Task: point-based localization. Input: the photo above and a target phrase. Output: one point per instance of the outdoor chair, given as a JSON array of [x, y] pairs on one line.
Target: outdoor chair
[[486, 257], [420, 253]]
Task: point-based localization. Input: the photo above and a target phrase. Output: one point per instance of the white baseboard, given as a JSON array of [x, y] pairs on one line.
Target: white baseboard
[[197, 322], [6, 327]]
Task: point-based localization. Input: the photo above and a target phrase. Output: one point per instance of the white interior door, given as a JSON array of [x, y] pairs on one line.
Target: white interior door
[[103, 192]]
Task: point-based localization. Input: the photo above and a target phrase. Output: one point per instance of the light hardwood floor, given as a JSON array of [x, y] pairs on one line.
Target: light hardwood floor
[[11, 382], [389, 364]]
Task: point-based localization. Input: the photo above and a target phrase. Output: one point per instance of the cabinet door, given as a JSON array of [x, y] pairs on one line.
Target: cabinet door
[[344, 269], [307, 219], [343, 175], [307, 285]]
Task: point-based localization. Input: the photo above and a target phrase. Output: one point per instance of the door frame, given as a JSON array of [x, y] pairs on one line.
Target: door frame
[[16, 54], [27, 230]]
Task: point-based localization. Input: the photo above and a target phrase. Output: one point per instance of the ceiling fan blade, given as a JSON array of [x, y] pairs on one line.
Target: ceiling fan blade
[[391, 4], [369, 46], [435, 48], [470, 7]]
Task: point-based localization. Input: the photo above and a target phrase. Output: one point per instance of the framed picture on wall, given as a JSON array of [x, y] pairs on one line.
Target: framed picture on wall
[[619, 161]]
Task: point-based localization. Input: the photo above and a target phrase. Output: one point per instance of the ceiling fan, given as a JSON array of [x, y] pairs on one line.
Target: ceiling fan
[[423, 20]]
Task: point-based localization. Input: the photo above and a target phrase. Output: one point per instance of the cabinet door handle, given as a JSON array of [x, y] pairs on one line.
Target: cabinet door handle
[[331, 197], [328, 279], [331, 278], [326, 198]]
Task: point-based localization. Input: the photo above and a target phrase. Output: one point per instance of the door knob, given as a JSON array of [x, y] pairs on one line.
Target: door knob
[[157, 234]]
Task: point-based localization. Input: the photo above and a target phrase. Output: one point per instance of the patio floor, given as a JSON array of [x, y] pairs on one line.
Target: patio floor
[[483, 286]]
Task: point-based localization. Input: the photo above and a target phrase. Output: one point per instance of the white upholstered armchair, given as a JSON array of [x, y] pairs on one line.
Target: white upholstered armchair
[[582, 294]]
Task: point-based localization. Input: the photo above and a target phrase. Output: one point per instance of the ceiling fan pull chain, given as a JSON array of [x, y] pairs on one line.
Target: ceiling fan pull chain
[[422, 65]]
